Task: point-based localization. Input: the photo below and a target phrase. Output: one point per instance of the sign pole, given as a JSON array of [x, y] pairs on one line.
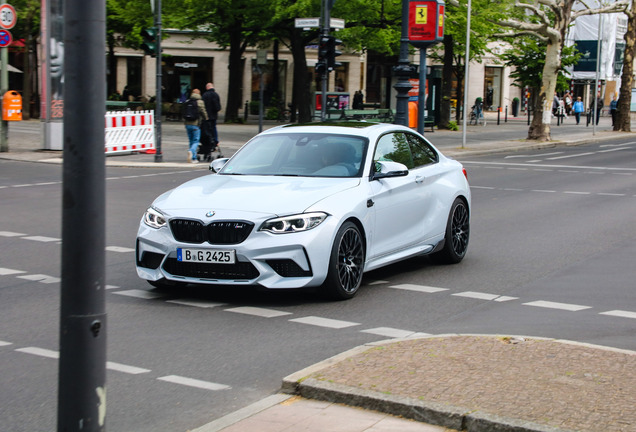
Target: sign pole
[[4, 73]]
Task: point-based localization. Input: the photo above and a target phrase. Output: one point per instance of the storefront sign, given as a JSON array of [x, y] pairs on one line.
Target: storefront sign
[[426, 22]]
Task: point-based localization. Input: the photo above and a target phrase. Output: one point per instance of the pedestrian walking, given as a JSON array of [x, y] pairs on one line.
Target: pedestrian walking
[[613, 108], [212, 103], [578, 108], [567, 101], [193, 115], [599, 106], [556, 103]]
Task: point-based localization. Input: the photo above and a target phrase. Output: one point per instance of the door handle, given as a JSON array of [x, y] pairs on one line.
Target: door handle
[[420, 179]]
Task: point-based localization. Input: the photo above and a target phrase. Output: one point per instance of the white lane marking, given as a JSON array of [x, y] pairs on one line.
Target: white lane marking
[[109, 287], [571, 156], [538, 155], [46, 183], [620, 313], [41, 352], [125, 368], [418, 288], [614, 149], [205, 385], [40, 278], [576, 193], [610, 194], [543, 191], [505, 298], [485, 296], [139, 294], [10, 234], [584, 167], [378, 282], [195, 303], [256, 311], [324, 322], [119, 249], [555, 305], [42, 239], [8, 271], [481, 187], [3, 343], [392, 332]]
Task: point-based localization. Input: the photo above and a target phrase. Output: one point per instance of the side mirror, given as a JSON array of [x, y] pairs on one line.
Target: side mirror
[[387, 169], [217, 164]]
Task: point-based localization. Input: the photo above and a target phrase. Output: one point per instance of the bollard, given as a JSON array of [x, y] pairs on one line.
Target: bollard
[[498, 115], [506, 115], [246, 111], [528, 116]]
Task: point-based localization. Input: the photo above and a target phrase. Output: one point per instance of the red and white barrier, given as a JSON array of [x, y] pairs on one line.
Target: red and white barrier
[[130, 131]]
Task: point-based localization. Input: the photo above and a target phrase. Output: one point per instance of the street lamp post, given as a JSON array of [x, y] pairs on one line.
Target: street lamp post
[[403, 71]]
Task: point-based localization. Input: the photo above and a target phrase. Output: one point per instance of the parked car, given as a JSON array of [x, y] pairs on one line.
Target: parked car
[[309, 206]]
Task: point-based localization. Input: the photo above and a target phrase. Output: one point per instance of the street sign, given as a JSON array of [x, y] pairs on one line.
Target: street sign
[[337, 23], [307, 22], [8, 17], [5, 38], [426, 22]]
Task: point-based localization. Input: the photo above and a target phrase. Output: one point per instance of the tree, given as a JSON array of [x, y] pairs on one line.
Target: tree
[[623, 118], [548, 21]]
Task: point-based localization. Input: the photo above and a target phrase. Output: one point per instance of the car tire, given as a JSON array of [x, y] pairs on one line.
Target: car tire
[[346, 263], [457, 234]]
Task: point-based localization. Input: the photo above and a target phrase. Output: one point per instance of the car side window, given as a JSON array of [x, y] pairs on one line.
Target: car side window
[[423, 153], [394, 147]]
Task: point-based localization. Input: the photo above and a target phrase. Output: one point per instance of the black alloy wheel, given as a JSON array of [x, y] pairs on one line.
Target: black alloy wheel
[[457, 234], [346, 263]]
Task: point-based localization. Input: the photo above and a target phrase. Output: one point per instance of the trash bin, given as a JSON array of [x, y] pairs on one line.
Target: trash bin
[[12, 106]]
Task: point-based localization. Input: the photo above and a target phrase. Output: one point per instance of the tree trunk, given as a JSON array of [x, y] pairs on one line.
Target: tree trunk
[[447, 83], [540, 126], [623, 115], [235, 84]]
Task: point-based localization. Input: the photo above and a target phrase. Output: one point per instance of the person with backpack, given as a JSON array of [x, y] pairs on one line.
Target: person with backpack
[[194, 114]]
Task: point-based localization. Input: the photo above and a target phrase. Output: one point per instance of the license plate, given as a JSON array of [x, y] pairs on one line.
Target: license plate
[[215, 256]]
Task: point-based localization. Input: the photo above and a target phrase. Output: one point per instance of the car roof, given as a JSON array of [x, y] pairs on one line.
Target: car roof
[[357, 128]]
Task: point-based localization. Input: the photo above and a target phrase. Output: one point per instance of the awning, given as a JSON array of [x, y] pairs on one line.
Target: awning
[[12, 69]]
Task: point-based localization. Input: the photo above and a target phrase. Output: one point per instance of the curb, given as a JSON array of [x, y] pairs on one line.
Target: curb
[[301, 383]]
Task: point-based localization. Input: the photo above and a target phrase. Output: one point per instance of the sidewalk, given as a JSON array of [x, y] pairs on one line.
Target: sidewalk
[[26, 144], [479, 383]]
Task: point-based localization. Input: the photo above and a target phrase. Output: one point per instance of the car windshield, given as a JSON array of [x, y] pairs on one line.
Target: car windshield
[[305, 155]]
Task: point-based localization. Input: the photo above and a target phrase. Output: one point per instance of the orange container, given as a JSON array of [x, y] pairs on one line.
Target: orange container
[[412, 114], [12, 106]]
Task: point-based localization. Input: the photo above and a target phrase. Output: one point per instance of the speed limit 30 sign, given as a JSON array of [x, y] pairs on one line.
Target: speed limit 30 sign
[[8, 17]]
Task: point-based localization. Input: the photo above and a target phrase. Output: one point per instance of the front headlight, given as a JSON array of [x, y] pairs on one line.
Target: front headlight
[[295, 223], [154, 218]]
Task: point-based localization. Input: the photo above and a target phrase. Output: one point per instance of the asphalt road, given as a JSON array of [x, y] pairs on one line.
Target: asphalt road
[[551, 254]]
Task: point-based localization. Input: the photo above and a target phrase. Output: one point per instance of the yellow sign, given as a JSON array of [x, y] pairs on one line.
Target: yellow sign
[[421, 15]]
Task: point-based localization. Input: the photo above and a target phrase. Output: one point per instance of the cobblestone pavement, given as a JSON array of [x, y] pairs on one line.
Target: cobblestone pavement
[[486, 383]]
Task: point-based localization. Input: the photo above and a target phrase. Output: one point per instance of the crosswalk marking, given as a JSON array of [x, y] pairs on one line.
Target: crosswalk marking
[[3, 343], [40, 278], [139, 294], [10, 234], [261, 312], [205, 385], [119, 249], [41, 352], [620, 313], [196, 303], [419, 288], [324, 322], [392, 332], [42, 239], [8, 271], [485, 296], [555, 305], [125, 368]]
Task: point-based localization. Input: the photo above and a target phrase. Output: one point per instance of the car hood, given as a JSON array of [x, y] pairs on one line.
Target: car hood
[[275, 195]]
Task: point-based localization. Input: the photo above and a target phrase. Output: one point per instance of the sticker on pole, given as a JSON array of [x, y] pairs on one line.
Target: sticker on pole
[[5, 38], [8, 17]]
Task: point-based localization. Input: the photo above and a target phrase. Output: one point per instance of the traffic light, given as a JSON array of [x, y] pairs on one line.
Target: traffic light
[[333, 52], [323, 49], [149, 45], [321, 67]]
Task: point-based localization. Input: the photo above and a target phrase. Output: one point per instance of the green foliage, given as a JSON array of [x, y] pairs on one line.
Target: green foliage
[[452, 125], [527, 57]]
